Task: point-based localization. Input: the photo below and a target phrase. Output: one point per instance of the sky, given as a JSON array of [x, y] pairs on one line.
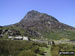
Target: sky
[[12, 11]]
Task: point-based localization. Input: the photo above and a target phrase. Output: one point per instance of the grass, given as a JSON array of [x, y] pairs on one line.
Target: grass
[[47, 50], [59, 34], [20, 48], [55, 34], [62, 47]]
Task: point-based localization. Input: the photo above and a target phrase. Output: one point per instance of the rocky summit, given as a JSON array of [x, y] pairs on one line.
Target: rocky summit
[[41, 20], [36, 24]]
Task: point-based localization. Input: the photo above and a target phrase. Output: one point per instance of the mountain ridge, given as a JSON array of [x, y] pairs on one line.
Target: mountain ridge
[[33, 16], [36, 24]]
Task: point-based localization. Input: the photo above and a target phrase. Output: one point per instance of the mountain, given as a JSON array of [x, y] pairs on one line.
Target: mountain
[[36, 24], [41, 20]]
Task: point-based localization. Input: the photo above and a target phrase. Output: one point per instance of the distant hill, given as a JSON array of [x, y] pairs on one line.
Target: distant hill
[[41, 25]]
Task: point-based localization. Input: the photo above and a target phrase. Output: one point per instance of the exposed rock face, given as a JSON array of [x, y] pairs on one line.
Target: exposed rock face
[[34, 18], [42, 20], [9, 32]]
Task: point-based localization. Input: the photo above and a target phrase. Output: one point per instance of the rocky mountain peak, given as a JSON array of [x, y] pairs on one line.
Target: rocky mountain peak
[[37, 16], [36, 24], [36, 19], [33, 12]]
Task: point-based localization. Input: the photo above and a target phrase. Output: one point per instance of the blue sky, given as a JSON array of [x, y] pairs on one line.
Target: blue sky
[[12, 11]]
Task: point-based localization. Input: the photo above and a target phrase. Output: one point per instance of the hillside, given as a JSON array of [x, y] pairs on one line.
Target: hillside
[[41, 25]]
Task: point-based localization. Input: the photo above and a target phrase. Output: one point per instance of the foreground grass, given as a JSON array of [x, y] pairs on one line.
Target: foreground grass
[[20, 48], [46, 50], [62, 47]]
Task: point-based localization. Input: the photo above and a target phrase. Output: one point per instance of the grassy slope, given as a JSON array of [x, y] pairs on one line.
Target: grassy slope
[[62, 47], [53, 34], [59, 34]]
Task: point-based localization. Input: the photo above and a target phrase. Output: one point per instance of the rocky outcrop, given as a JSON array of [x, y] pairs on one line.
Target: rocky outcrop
[[9, 32]]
